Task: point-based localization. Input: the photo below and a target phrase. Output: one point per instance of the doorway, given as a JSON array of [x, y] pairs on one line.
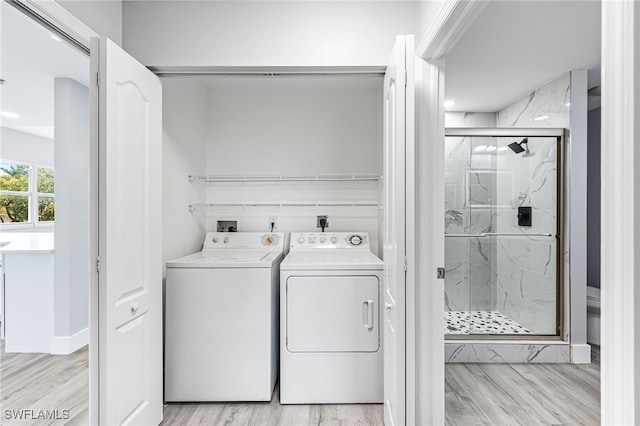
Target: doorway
[[44, 229]]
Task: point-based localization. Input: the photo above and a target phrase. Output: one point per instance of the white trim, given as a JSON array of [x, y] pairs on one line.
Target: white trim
[[576, 202], [453, 20], [52, 14], [64, 345], [94, 195], [410, 165], [581, 354], [620, 245], [429, 242]]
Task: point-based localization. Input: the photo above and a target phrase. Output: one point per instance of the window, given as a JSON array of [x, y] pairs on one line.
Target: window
[[26, 194]]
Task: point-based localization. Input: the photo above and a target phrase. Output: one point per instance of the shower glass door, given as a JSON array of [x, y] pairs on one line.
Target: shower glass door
[[501, 242]]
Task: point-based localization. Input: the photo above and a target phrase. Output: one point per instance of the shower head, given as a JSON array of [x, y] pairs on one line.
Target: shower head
[[517, 146]]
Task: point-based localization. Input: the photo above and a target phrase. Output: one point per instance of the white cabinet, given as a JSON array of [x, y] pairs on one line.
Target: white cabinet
[[29, 302]]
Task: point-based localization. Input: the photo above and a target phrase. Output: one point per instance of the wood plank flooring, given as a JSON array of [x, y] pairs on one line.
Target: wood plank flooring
[[272, 413], [44, 382], [523, 394], [475, 394]]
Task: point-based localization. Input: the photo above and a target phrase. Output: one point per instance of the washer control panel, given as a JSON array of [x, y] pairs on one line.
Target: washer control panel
[[329, 240], [226, 240]]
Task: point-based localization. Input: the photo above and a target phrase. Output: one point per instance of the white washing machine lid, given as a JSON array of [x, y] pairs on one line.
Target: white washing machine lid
[[234, 258], [304, 260]]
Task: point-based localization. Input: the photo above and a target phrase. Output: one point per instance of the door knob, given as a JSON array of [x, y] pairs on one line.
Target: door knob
[[134, 308], [389, 305]]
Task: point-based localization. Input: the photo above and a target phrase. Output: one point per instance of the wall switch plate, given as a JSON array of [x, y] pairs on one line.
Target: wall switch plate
[[274, 220]]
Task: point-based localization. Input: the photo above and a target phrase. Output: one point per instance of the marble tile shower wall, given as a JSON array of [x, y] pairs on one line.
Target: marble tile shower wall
[[526, 266], [515, 275], [469, 261], [550, 100]]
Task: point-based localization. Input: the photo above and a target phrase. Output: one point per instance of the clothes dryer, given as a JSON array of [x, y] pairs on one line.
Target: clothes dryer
[[331, 345]]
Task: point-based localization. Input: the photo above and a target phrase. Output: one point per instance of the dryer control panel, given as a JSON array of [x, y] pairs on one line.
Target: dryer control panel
[[329, 240]]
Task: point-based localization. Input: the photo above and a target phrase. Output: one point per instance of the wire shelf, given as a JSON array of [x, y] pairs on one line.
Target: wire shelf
[[344, 205], [285, 178]]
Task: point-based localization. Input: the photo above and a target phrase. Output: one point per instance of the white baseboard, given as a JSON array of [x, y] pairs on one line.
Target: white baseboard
[[581, 354], [64, 345]]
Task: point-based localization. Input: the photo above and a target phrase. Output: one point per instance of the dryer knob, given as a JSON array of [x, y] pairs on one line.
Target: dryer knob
[[323, 240], [334, 240], [215, 239], [355, 240], [301, 240], [312, 240], [226, 240]]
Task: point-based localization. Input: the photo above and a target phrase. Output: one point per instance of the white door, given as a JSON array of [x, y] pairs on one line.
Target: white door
[[395, 121], [129, 133]]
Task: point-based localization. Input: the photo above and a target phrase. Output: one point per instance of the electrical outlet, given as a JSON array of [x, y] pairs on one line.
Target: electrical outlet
[[274, 220], [326, 221]]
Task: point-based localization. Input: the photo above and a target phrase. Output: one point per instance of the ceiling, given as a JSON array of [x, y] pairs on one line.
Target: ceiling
[[515, 47], [30, 59], [511, 49]]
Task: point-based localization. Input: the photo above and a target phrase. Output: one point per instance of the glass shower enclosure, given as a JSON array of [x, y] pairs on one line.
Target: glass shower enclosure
[[503, 232]]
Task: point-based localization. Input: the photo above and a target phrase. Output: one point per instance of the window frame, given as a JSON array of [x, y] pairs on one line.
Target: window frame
[[33, 197]]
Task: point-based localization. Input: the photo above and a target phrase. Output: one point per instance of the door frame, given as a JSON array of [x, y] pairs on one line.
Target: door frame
[[55, 17], [425, 320]]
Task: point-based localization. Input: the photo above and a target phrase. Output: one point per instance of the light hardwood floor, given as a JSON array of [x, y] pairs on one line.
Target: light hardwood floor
[[523, 394], [44, 382], [475, 394], [272, 413]]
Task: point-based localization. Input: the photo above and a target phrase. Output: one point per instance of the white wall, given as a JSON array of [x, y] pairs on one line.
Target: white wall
[[102, 16], [71, 257], [269, 126], [184, 104], [296, 126], [24, 147], [265, 33]]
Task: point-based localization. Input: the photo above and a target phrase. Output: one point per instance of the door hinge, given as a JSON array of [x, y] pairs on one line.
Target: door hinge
[[406, 76], [441, 273], [98, 263], [405, 263], [98, 78]]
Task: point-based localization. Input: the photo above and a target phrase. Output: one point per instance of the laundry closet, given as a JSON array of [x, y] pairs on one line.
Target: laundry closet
[[257, 149]]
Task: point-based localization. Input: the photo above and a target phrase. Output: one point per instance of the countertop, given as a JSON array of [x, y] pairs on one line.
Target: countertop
[[18, 242]]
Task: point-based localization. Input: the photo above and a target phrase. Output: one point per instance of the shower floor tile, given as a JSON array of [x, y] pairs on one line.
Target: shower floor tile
[[481, 322]]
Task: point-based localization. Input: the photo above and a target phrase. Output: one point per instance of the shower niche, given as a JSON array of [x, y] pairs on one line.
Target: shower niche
[[503, 228]]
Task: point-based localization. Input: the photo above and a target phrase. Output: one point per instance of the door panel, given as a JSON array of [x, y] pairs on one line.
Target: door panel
[[333, 314], [395, 133], [129, 220]]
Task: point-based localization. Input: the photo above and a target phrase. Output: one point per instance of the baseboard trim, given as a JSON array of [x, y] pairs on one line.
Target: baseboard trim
[[581, 354], [64, 345]]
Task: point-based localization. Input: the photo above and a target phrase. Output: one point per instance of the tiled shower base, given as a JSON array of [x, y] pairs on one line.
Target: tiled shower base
[[492, 324], [481, 322]]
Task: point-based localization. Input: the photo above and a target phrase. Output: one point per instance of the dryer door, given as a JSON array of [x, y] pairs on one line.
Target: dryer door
[[333, 313]]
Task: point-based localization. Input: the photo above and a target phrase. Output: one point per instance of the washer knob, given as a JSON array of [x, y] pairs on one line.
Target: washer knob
[[215, 239], [355, 240], [301, 240], [323, 240], [334, 240], [226, 240], [312, 240]]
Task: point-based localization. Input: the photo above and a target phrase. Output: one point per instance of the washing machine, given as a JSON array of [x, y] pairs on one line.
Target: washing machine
[[221, 324], [331, 343]]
